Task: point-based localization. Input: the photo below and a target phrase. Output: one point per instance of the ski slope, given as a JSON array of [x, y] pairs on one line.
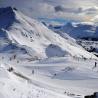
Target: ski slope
[[63, 77], [18, 87]]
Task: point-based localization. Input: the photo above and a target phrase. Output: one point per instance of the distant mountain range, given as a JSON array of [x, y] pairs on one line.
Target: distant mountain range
[[82, 30]]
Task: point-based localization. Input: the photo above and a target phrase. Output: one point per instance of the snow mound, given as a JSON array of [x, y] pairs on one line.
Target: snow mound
[[55, 51]]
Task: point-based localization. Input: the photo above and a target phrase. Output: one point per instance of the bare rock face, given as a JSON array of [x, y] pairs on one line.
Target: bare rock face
[[95, 95], [7, 17]]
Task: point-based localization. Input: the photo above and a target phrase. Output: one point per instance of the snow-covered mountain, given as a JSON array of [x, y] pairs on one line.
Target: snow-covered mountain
[[34, 37]]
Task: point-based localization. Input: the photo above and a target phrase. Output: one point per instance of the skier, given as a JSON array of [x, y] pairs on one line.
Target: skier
[[10, 69], [95, 64], [32, 71], [14, 57]]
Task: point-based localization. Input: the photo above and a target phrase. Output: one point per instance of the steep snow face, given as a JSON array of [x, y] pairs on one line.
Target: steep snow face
[[36, 37], [58, 30]]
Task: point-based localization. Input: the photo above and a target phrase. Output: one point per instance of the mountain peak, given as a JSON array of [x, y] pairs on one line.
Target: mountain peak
[[5, 10], [7, 17]]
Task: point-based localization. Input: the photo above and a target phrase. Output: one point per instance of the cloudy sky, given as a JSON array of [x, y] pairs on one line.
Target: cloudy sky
[[82, 10]]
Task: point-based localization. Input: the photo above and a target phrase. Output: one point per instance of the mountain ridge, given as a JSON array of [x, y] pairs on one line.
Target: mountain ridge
[[36, 37]]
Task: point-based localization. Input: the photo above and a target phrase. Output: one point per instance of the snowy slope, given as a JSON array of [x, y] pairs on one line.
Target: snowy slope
[[52, 78], [35, 37], [85, 33], [14, 86]]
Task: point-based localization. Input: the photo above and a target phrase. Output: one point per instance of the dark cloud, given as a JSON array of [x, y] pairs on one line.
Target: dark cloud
[[68, 10]]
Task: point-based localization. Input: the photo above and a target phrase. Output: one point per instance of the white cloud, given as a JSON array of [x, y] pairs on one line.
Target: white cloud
[[95, 19], [83, 10]]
